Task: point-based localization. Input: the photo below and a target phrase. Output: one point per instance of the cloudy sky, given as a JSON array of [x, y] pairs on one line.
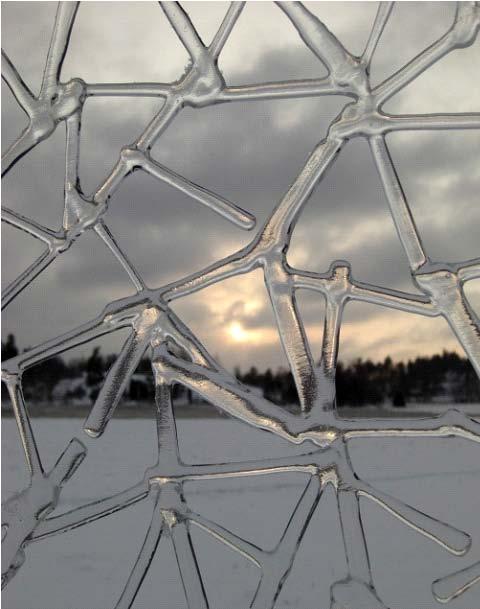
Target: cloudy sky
[[249, 152]]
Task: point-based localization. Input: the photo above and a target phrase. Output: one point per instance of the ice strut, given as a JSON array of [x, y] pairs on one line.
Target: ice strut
[[177, 356]]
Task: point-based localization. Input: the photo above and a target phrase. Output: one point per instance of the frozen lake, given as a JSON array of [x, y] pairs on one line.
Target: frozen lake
[[86, 568]]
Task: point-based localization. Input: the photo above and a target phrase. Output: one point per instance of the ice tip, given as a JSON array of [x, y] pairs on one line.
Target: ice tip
[[93, 433], [247, 221], [78, 445], [439, 593], [465, 546]]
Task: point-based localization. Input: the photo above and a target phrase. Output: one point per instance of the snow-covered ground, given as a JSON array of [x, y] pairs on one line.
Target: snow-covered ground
[[87, 568]]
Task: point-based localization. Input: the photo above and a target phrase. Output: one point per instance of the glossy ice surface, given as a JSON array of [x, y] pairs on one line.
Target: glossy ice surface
[[178, 356]]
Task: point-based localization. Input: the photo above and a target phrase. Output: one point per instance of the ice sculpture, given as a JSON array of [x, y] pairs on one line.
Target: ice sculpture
[[178, 356]]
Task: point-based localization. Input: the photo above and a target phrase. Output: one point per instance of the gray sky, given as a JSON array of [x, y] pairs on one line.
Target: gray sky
[[249, 152]]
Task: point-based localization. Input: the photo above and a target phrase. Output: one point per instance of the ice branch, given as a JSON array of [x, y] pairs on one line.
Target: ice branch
[[145, 556], [62, 30], [381, 19], [102, 231], [133, 89], [26, 278], [218, 204], [321, 41], [460, 35], [184, 28], [18, 149], [90, 512], [27, 437], [437, 122], [29, 226], [21, 92], [282, 90], [292, 335], [397, 202], [231, 17], [455, 541], [450, 587]]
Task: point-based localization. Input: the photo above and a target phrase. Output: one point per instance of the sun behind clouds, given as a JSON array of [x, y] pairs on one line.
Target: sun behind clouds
[[237, 332]]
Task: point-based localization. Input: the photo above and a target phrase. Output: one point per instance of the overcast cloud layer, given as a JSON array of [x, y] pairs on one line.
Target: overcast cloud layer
[[249, 153]]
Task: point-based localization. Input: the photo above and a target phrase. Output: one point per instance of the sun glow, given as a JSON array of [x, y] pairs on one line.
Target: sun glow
[[237, 332]]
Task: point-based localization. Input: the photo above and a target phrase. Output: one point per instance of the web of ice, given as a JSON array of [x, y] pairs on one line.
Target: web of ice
[[178, 356]]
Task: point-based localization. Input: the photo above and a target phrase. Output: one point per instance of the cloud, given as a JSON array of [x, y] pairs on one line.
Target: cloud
[[250, 153]]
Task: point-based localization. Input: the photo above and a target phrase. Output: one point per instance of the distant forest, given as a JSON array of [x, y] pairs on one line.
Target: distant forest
[[425, 379]]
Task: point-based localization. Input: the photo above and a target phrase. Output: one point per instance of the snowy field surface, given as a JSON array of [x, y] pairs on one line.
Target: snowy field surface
[[86, 568]]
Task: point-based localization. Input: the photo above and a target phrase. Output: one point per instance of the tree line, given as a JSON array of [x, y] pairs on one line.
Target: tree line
[[361, 382]]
